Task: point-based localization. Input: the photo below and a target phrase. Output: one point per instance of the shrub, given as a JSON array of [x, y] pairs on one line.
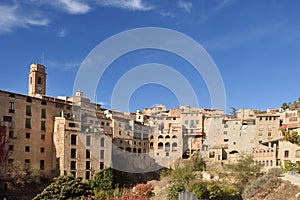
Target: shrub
[[200, 190], [174, 190]]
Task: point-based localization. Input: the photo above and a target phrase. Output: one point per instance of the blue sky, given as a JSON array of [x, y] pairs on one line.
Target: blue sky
[[255, 45]]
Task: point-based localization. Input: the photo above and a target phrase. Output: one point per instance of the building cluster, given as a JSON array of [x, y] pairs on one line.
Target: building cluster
[[72, 135]]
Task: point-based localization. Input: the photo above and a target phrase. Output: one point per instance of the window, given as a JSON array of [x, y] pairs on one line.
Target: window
[[87, 175], [28, 110], [11, 147], [73, 174], [87, 164], [87, 154], [73, 165], [28, 123], [7, 118], [43, 137], [101, 154], [101, 165], [192, 122], [28, 100], [27, 135], [226, 140], [39, 80], [42, 149], [10, 161], [269, 134], [160, 145], [174, 146], [107, 124], [211, 154], [197, 121], [102, 142], [286, 153], [43, 113], [298, 154], [42, 164], [11, 107], [88, 140], [186, 122], [27, 148], [11, 134], [225, 133], [73, 139], [27, 161], [73, 153], [43, 125]]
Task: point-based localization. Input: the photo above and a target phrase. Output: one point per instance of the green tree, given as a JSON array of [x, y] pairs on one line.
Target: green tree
[[65, 187], [284, 106], [291, 136], [103, 180], [244, 170]]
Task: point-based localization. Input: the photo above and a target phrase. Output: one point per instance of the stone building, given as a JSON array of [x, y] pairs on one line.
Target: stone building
[[29, 121]]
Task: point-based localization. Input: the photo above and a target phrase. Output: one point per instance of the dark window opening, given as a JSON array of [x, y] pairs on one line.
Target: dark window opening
[[73, 164], [73, 153], [42, 164], [87, 154], [27, 149], [43, 113], [73, 139]]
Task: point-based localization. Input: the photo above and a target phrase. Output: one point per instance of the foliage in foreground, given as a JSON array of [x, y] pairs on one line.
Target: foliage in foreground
[[139, 192], [65, 187], [264, 184], [243, 171]]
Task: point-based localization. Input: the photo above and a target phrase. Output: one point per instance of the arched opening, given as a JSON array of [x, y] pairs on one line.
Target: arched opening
[[151, 145], [139, 150], [134, 150], [174, 137], [151, 137], [28, 100], [128, 149], [174, 146], [160, 145], [167, 146], [167, 137], [160, 137]]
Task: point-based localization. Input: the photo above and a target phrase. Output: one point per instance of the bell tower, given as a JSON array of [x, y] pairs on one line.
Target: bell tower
[[37, 80]]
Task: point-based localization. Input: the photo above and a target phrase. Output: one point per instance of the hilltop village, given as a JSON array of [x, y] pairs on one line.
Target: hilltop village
[[74, 136]]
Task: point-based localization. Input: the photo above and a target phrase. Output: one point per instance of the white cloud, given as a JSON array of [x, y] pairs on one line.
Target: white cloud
[[186, 6], [126, 4], [12, 17], [166, 14], [62, 33], [73, 6], [63, 65], [224, 3]]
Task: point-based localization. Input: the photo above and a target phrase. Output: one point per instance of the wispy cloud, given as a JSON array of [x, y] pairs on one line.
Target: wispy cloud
[[126, 4], [166, 14], [63, 65], [224, 3], [186, 6], [13, 16], [73, 6], [240, 37], [62, 33]]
